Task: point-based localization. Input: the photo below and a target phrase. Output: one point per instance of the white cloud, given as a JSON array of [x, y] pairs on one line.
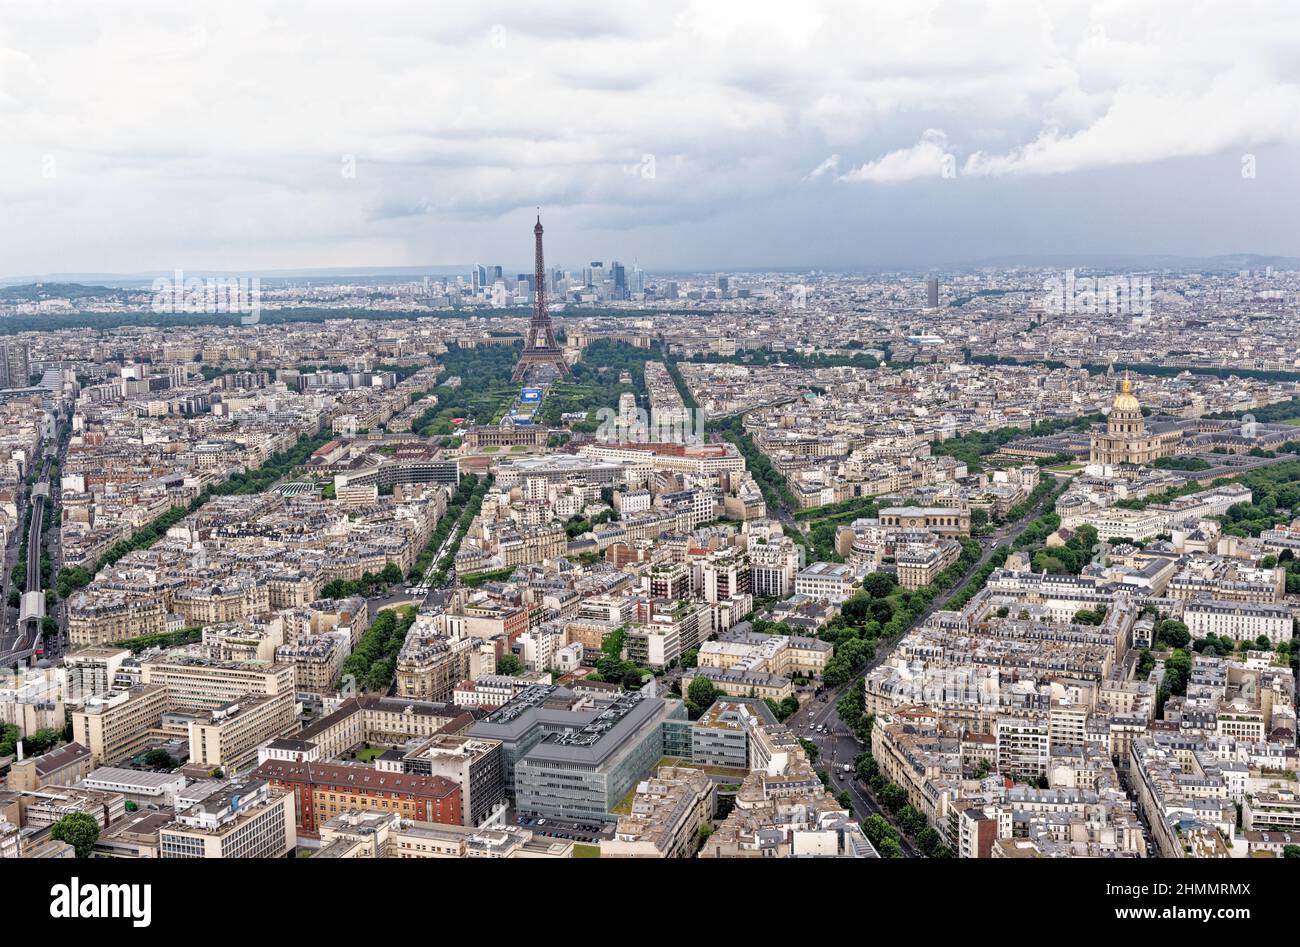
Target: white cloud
[[828, 166], [1149, 125], [925, 159], [215, 130]]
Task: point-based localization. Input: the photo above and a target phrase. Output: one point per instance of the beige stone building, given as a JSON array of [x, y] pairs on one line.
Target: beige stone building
[[118, 725], [1126, 439]]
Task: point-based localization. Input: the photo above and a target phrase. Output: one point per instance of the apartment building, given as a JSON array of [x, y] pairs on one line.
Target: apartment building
[[317, 661], [832, 581], [89, 672], [1240, 621], [667, 812], [62, 766], [430, 665], [113, 617], [1023, 746], [920, 564]]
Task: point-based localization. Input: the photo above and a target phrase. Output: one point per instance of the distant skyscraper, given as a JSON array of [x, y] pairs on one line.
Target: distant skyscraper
[[14, 369], [932, 292], [620, 280]]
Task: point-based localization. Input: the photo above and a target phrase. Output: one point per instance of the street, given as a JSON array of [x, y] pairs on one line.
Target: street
[[837, 745]]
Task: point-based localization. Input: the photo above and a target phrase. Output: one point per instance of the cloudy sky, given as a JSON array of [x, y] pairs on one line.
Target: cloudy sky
[[236, 136]]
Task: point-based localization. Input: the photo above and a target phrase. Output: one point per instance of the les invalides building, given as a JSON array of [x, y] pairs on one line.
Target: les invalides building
[[1126, 439]]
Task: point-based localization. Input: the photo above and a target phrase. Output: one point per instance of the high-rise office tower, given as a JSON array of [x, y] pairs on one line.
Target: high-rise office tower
[[932, 292], [14, 369]]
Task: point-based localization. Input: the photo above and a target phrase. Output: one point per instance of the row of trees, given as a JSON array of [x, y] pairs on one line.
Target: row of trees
[[798, 359], [1145, 368], [370, 583], [373, 661], [893, 799], [776, 492], [459, 521], [165, 639], [34, 744], [467, 496]]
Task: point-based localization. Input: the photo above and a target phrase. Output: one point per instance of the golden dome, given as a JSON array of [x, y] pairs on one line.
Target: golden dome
[[1124, 401]]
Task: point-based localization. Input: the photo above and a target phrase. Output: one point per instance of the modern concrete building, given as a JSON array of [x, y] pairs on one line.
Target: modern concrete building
[[472, 763], [569, 757], [244, 820]]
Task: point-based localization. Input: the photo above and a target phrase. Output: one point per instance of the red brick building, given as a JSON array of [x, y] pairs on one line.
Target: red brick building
[[323, 790]]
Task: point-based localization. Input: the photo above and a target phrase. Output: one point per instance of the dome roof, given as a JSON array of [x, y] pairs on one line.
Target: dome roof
[[1125, 401]]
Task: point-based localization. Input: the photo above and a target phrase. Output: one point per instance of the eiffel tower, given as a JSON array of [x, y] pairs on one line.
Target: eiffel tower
[[542, 359]]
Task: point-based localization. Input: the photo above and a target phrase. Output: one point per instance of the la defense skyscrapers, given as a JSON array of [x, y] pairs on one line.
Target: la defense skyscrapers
[[542, 359]]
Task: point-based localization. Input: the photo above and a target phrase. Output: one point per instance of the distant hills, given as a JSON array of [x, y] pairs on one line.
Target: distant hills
[[35, 292], [106, 282]]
